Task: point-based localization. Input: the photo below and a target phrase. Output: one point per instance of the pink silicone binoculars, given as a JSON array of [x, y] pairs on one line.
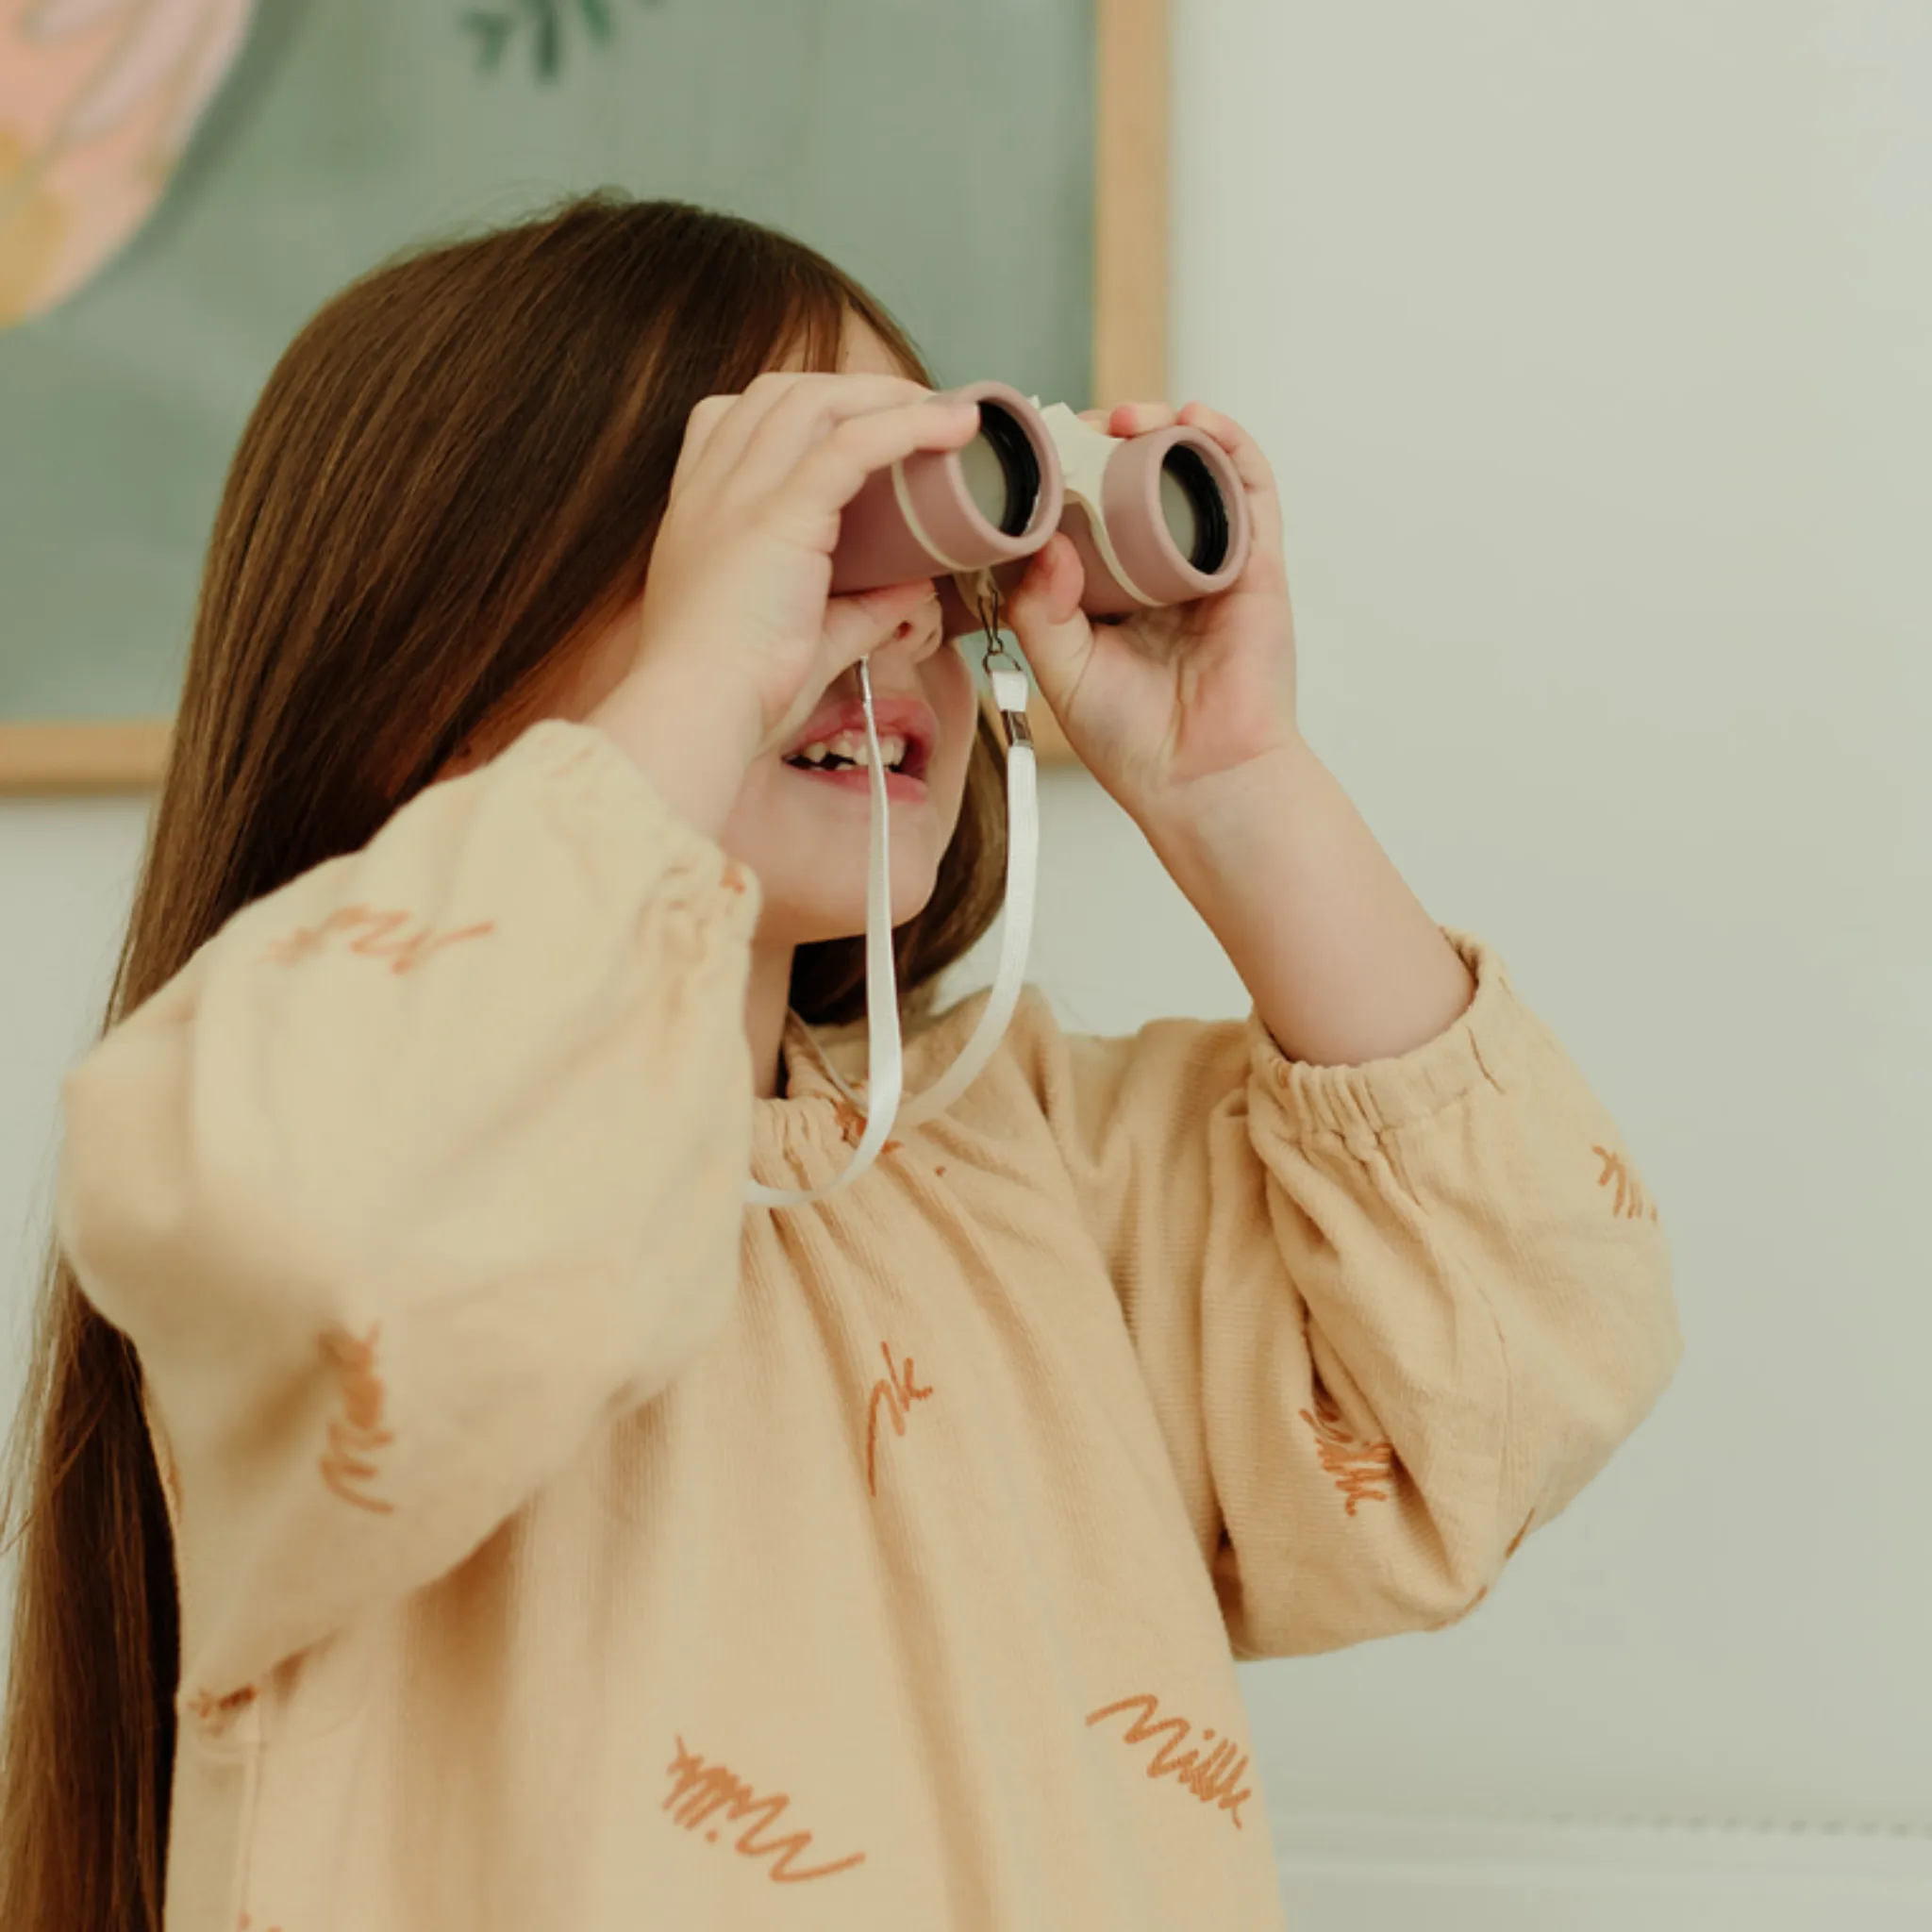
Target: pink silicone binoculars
[[1157, 519]]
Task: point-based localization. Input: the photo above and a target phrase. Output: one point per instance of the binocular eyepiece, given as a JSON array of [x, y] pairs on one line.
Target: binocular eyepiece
[[1157, 519]]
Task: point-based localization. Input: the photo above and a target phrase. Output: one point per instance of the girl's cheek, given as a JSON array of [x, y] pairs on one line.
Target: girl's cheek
[[959, 720], [951, 694]]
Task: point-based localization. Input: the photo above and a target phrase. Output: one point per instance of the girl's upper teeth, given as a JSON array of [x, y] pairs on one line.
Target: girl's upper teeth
[[852, 745]]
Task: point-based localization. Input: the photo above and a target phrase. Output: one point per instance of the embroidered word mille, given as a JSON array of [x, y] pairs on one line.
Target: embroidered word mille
[[380, 942], [1356, 1465], [1629, 1190], [357, 1431], [896, 1390], [700, 1791], [1212, 1779]]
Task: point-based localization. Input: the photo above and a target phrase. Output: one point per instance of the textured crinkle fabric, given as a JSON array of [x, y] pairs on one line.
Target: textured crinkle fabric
[[562, 1544], [97, 101]]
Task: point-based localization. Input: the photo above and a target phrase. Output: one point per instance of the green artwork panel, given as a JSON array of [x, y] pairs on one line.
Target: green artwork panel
[[941, 150]]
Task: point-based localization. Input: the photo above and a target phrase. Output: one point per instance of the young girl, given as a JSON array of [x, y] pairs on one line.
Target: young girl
[[448, 1505]]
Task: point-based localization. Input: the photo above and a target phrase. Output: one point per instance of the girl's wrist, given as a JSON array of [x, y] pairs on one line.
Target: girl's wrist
[[694, 749]]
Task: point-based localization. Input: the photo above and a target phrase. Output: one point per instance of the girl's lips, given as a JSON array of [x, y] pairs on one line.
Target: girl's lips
[[904, 716], [899, 785]]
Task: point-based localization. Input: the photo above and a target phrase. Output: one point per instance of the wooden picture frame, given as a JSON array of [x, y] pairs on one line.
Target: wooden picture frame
[[1130, 209]]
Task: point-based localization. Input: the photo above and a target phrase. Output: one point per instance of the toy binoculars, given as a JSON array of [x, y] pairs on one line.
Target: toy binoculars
[[1157, 519]]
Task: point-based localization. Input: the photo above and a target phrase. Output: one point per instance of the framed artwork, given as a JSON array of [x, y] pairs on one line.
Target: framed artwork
[[995, 173]]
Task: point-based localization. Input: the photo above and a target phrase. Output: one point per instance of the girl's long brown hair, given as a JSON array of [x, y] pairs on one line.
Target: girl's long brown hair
[[454, 476]]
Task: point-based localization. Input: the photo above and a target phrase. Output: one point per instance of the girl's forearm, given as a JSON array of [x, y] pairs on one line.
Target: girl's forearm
[[1342, 961]]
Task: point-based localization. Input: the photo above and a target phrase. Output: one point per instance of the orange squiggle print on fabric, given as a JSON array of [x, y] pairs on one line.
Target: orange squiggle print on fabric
[[1212, 1779], [851, 1124], [701, 1790], [1356, 1466], [1629, 1188], [357, 1432], [896, 1390], [205, 1708], [378, 942]]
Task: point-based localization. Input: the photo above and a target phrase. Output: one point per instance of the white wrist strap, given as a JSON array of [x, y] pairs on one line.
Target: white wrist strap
[[886, 1073]]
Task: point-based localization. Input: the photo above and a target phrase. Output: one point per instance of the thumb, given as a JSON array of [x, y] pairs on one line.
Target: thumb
[[1045, 614]]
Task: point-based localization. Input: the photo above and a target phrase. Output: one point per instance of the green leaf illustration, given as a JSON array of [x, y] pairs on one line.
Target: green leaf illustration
[[492, 31], [545, 23]]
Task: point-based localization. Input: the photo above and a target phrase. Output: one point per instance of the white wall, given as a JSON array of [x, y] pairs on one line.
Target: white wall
[[1593, 347], [67, 871]]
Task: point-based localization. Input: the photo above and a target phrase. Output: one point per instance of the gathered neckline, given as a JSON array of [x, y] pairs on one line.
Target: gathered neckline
[[813, 1124]]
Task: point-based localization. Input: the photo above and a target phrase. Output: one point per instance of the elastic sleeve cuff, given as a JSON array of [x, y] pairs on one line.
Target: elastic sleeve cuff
[[1485, 1045]]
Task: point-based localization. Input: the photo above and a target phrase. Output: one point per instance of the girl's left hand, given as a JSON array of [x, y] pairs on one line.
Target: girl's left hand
[[1167, 699]]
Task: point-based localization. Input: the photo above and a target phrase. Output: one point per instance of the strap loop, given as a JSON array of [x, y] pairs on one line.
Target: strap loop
[[883, 1108]]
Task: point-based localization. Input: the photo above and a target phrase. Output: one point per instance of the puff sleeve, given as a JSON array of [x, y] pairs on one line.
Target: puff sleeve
[[1391, 1316], [421, 1165]]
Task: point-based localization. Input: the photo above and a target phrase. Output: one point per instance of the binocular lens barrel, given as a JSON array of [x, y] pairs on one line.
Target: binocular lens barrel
[[1002, 477], [1002, 471], [1192, 503], [1155, 520]]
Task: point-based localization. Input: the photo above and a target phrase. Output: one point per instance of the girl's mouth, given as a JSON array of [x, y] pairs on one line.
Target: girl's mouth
[[844, 761], [857, 779]]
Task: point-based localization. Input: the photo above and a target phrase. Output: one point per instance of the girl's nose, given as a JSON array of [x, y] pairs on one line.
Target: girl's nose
[[916, 638]]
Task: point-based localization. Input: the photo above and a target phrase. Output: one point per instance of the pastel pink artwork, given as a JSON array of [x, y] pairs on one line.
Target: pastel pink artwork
[[97, 101]]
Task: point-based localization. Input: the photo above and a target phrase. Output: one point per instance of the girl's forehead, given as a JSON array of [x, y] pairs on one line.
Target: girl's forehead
[[861, 352]]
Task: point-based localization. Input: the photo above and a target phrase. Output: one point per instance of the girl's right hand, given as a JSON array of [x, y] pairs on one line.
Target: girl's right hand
[[738, 593]]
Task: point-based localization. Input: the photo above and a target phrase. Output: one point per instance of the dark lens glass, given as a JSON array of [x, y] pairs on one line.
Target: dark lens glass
[[1002, 470], [1192, 503]]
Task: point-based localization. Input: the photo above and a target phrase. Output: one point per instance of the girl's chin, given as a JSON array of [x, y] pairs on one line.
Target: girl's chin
[[840, 916]]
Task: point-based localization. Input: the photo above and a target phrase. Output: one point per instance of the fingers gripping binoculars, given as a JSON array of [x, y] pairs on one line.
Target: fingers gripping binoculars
[[1157, 519]]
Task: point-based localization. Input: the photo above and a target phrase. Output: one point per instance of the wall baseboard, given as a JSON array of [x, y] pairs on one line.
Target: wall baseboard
[[1353, 1873]]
